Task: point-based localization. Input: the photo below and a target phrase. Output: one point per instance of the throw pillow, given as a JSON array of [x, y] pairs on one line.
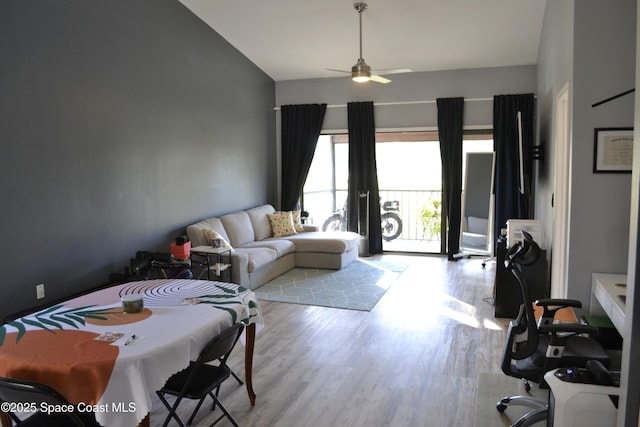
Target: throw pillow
[[211, 234], [282, 224], [296, 222]]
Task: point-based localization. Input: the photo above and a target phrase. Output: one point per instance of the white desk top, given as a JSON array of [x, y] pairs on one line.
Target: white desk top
[[610, 290]]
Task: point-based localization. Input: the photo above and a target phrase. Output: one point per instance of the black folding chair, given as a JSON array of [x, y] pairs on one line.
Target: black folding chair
[[201, 378], [28, 397]]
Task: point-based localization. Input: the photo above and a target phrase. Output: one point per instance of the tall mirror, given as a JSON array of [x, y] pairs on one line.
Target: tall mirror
[[476, 235]]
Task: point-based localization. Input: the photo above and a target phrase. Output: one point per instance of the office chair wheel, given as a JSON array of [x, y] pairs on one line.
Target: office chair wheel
[[527, 385], [501, 407]]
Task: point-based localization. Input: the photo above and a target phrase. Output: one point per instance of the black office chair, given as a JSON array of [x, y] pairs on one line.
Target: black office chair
[[18, 392], [200, 379], [534, 348]]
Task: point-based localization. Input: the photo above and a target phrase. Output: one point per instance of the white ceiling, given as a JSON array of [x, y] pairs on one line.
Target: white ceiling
[[299, 39]]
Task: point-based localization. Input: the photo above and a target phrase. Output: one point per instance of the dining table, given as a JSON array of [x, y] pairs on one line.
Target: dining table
[[109, 362]]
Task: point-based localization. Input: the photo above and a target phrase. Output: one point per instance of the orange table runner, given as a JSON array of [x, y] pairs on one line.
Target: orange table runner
[[64, 353]]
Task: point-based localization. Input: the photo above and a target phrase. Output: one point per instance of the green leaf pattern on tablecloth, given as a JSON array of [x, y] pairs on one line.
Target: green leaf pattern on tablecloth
[[218, 301], [56, 317], [52, 318]]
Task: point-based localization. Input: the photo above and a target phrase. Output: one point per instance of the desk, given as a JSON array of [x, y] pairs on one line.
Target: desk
[[608, 297], [507, 292], [57, 346]]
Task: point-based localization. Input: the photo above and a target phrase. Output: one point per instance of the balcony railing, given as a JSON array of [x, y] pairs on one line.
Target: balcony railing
[[419, 211]]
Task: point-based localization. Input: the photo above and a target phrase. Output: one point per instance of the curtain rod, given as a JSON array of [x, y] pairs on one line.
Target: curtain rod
[[433, 101]]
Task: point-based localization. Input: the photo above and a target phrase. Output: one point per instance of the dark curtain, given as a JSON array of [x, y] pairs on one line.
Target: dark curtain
[[509, 201], [363, 173], [450, 133], [301, 126]]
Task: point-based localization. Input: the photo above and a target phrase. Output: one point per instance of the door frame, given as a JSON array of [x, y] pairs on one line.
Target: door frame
[[561, 197]]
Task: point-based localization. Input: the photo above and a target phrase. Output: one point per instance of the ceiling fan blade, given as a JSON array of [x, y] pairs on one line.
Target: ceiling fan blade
[[392, 71], [338, 71], [380, 79]]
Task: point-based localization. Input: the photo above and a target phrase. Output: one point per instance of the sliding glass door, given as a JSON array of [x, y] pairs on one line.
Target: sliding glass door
[[410, 183], [325, 190]]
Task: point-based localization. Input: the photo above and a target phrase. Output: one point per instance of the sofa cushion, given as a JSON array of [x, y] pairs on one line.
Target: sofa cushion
[[282, 224], [281, 246], [196, 231], [478, 225], [260, 221], [238, 227], [336, 242], [258, 257], [474, 240]]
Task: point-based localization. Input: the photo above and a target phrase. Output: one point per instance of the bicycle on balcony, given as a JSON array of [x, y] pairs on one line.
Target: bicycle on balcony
[[391, 222]]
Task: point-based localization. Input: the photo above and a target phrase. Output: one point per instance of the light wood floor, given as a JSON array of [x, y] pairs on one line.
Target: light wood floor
[[413, 360]]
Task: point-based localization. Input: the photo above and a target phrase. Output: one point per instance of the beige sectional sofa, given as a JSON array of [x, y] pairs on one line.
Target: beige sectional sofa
[[258, 257]]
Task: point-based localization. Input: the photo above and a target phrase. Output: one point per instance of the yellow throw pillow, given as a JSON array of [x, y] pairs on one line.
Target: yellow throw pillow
[[282, 224], [211, 234]]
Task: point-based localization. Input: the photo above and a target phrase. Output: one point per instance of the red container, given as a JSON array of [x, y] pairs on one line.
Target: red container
[[181, 251]]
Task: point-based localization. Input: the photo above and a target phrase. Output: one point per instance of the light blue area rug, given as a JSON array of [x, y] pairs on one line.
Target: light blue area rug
[[358, 286]]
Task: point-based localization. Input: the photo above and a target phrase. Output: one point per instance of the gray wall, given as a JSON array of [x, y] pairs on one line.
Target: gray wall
[[555, 68], [412, 87], [581, 41], [120, 123]]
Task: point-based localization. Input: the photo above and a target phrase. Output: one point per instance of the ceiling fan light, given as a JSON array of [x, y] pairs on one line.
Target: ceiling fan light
[[361, 72], [360, 78]]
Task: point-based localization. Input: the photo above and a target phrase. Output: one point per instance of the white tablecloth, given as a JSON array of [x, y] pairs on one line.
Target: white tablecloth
[[58, 346]]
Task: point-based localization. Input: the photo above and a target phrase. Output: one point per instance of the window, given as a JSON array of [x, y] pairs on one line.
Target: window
[[409, 176]]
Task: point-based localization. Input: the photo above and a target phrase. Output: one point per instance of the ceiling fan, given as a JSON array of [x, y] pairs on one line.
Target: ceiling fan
[[361, 72]]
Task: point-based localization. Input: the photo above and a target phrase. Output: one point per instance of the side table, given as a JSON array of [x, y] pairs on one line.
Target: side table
[[212, 259]]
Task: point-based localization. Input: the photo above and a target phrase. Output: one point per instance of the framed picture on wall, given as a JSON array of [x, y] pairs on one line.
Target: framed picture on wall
[[613, 150]]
